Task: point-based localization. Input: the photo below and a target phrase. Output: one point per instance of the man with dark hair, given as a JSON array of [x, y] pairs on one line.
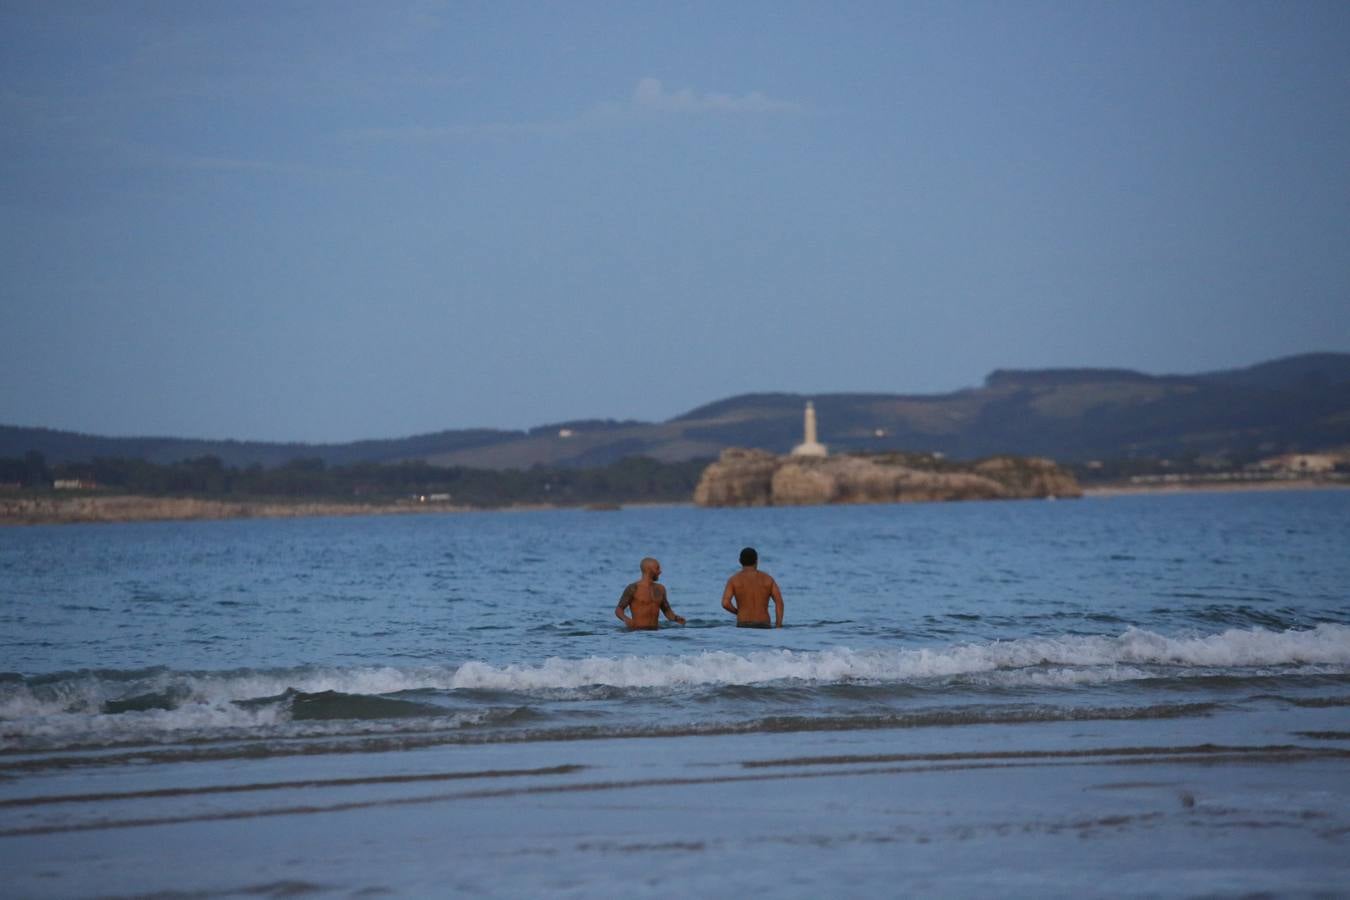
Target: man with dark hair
[[751, 590], [645, 600]]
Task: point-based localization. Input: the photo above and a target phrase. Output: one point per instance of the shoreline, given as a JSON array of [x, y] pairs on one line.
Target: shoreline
[[137, 508], [1053, 810], [1210, 487], [21, 511], [18, 512]]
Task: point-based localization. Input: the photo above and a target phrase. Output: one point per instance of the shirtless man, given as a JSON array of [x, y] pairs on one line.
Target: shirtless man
[[645, 599], [751, 590]]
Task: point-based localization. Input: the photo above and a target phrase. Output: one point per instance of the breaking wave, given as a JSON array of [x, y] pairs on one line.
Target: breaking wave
[[102, 707], [1093, 659]]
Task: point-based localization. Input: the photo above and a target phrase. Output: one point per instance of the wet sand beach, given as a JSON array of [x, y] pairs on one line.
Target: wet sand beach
[[1207, 806]]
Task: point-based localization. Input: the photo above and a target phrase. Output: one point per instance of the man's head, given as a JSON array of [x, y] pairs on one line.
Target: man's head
[[650, 568], [749, 557]]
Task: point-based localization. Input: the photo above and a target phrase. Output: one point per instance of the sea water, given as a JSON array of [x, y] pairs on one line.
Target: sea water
[[503, 622], [151, 647]]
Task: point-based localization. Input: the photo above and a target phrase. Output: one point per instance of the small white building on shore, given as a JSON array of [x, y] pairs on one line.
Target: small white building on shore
[[1302, 463]]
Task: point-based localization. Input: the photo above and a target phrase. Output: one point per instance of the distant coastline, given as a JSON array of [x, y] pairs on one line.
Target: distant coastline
[[19, 511], [1215, 487], [134, 508]]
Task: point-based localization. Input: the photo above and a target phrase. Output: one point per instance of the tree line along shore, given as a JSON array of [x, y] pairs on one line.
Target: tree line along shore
[[33, 492]]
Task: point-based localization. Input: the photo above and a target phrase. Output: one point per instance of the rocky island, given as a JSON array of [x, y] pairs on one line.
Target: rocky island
[[758, 478], [809, 476]]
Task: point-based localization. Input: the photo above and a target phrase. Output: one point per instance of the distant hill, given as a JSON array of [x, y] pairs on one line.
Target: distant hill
[[1299, 403], [69, 446]]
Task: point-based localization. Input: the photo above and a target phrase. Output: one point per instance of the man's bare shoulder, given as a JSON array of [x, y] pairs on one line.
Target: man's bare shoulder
[[751, 580]]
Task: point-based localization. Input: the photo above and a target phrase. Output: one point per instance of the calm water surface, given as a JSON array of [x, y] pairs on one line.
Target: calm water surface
[[500, 625]]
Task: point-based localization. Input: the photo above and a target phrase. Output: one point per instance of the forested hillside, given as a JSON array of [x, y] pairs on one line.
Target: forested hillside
[[1299, 403]]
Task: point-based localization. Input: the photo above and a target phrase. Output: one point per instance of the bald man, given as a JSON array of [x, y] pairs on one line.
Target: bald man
[[643, 599]]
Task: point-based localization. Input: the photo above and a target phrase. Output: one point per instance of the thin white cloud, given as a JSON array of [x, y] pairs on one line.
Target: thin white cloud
[[149, 157], [417, 133], [228, 164], [651, 95], [648, 97]]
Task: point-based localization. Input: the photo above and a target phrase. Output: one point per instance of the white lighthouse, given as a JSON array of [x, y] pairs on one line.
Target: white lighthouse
[[809, 445]]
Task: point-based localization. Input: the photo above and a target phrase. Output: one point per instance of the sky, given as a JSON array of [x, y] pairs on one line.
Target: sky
[[332, 221]]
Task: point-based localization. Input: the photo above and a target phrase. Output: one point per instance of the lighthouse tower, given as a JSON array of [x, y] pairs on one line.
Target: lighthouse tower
[[809, 445]]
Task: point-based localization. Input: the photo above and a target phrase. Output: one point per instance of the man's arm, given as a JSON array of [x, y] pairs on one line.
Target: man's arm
[[777, 596], [665, 608], [727, 596], [625, 601]]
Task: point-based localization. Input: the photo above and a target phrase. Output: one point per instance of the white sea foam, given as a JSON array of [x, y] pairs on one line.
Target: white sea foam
[[1095, 658], [87, 692], [209, 702], [202, 703], [149, 725]]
